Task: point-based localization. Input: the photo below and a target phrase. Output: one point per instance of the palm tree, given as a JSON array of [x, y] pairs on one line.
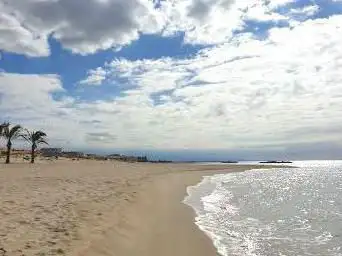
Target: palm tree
[[2, 127], [10, 134], [35, 138]]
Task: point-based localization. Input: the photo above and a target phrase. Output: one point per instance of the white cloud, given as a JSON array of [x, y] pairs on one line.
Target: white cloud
[[246, 93], [204, 22], [95, 77], [14, 88], [306, 10], [30, 100], [83, 27], [217, 21], [17, 38], [278, 3]]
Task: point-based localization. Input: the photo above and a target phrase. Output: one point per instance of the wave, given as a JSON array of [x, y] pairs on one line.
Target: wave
[[261, 212]]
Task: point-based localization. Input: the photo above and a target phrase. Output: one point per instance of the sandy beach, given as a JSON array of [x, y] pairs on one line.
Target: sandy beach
[[101, 208]]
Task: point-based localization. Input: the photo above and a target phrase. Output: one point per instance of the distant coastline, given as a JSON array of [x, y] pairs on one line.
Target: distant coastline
[[55, 153], [275, 162]]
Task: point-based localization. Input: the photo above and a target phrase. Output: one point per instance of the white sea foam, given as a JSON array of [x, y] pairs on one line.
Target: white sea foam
[[272, 212]]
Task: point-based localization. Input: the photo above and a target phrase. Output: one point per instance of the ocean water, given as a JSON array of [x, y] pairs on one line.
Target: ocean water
[[287, 211]]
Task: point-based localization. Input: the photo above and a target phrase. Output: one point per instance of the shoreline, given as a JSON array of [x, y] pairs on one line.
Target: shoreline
[[102, 208]]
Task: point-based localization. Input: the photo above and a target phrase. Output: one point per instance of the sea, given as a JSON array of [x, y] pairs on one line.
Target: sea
[[266, 212]]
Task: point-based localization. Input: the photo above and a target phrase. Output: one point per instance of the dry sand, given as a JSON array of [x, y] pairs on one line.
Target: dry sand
[[95, 208]]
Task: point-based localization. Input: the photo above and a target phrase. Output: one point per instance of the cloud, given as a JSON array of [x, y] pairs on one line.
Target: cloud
[[304, 13], [278, 3], [83, 27], [306, 10], [102, 137], [95, 77], [17, 38], [218, 21], [275, 93], [201, 9], [246, 93], [203, 21], [31, 100], [24, 93]]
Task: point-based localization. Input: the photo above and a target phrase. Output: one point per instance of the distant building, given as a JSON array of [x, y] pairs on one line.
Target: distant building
[[116, 157], [127, 158], [73, 154], [51, 152]]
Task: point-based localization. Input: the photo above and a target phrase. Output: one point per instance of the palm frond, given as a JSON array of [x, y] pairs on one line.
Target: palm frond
[[27, 135], [35, 137], [4, 124], [42, 141], [14, 132], [3, 127], [41, 133]]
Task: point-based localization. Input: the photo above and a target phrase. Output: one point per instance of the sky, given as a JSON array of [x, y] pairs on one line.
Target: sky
[[190, 79]]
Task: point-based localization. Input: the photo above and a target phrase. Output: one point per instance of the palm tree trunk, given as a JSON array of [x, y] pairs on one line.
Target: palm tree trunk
[[32, 154], [8, 154]]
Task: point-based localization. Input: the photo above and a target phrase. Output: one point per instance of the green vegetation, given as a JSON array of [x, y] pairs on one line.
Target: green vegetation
[[35, 138], [11, 133]]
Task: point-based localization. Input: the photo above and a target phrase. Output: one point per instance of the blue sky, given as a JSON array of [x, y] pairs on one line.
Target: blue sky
[[215, 75], [147, 47]]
